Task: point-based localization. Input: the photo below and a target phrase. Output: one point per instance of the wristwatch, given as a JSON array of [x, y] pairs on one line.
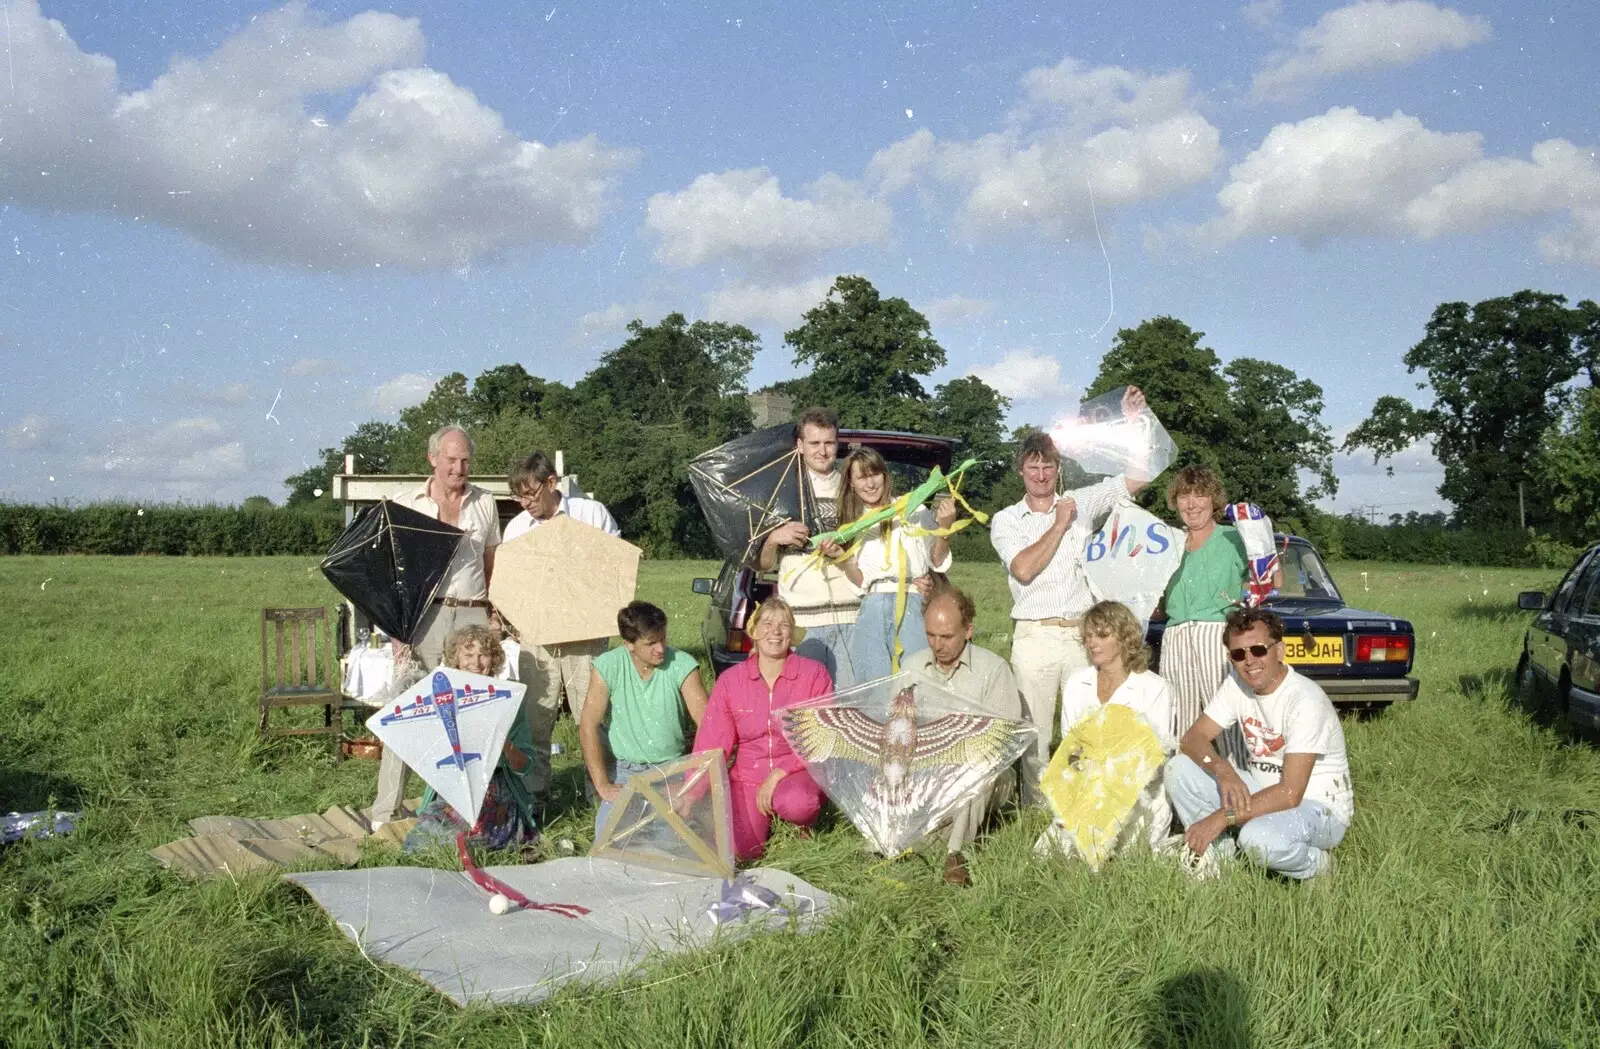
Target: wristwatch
[[1231, 816]]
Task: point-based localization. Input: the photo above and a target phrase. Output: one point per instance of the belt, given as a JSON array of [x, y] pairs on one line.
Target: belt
[[1065, 624], [461, 602]]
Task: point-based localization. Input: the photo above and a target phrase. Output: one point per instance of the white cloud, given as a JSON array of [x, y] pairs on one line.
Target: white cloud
[[229, 148], [402, 391], [1119, 135], [1347, 174], [1024, 375], [33, 432], [613, 318], [313, 366], [1261, 13], [188, 458], [956, 309], [227, 395], [778, 305], [743, 215], [1372, 34], [1408, 481]]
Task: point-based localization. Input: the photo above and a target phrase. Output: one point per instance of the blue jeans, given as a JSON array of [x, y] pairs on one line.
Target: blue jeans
[[830, 646], [1290, 842], [872, 639], [620, 771]]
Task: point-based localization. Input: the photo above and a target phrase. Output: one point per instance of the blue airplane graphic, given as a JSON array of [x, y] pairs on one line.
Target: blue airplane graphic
[[446, 703]]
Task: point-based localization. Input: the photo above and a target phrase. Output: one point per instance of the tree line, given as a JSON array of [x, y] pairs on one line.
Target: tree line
[[1510, 418]]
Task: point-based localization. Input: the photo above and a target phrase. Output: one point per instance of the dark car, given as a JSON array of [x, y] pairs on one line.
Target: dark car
[[1561, 650], [739, 586], [1361, 659]]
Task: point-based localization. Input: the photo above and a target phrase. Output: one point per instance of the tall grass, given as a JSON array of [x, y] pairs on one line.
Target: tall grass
[[1465, 910]]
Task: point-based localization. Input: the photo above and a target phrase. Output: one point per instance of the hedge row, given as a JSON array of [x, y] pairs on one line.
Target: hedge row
[[119, 528]]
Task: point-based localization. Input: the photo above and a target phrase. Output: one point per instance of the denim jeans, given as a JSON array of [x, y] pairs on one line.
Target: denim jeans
[[1290, 842], [872, 639], [620, 771], [830, 646]]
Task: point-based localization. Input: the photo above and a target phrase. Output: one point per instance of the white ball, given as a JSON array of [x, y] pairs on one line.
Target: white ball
[[499, 904]]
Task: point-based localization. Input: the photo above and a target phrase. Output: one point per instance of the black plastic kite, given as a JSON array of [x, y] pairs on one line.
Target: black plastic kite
[[750, 486], [389, 563]]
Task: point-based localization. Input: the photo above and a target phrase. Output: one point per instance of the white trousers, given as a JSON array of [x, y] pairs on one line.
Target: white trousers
[[553, 673], [1291, 842], [1042, 658]]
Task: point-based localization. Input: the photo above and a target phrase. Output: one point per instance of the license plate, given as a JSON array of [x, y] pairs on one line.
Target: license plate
[[1324, 650]]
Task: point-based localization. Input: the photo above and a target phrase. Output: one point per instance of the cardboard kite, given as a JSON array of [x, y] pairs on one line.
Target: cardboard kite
[[1132, 558], [676, 818], [899, 755], [1095, 780], [1105, 439], [451, 728], [563, 581], [390, 563]]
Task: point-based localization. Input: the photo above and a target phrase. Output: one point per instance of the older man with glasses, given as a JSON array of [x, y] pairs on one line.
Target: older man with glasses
[[1293, 802]]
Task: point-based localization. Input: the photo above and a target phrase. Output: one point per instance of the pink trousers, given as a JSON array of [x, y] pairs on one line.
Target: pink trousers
[[796, 800]]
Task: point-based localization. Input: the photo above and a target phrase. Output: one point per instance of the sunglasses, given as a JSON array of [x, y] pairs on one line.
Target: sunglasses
[[1259, 651]]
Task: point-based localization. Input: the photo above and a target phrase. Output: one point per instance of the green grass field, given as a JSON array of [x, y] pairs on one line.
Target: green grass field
[[129, 690]]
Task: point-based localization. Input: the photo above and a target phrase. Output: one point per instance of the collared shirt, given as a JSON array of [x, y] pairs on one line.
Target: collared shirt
[[590, 511], [1061, 590], [1145, 693], [481, 521], [739, 720], [980, 677]]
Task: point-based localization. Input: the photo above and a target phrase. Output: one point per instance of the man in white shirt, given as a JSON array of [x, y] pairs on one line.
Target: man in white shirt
[[551, 671], [1041, 542], [824, 600], [463, 596], [1294, 801], [981, 678]]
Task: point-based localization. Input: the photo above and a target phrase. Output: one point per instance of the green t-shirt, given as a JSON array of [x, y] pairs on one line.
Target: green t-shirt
[[1208, 580], [646, 720]]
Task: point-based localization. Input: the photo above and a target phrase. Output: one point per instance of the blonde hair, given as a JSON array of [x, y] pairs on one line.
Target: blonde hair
[[768, 607], [478, 635], [1114, 619], [1197, 480]]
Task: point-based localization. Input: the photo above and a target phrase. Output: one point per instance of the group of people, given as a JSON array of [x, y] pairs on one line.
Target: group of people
[[844, 615]]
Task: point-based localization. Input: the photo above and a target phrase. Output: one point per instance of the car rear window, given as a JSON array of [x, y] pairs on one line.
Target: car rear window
[[1304, 575]]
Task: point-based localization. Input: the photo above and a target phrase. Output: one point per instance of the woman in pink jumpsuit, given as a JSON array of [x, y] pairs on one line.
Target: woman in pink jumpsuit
[[766, 778]]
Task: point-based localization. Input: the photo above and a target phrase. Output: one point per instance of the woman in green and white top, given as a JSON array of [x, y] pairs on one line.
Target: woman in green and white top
[[1206, 586]]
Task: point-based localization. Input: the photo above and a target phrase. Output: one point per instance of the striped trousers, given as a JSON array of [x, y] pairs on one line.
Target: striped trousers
[[1194, 663]]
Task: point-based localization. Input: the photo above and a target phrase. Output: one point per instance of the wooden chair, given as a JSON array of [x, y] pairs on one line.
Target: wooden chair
[[299, 669]]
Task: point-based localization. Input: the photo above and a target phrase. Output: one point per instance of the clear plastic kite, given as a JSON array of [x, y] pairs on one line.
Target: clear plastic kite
[[675, 818], [1095, 782], [899, 755], [1255, 529], [1132, 558], [451, 728], [1115, 433]]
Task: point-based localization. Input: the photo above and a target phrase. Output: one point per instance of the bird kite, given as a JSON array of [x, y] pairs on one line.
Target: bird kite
[[899, 755]]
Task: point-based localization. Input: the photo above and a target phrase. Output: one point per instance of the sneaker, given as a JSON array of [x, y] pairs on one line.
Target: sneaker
[[955, 870], [1171, 845], [1326, 864], [1200, 866]]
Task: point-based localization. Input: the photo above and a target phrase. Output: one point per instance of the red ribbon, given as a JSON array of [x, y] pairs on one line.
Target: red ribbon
[[489, 883]]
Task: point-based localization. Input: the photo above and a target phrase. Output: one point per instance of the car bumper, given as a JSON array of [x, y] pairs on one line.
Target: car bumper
[[1364, 691]]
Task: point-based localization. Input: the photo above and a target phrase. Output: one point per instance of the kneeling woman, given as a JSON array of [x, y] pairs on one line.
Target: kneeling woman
[[1118, 674], [766, 778], [885, 552], [506, 816]]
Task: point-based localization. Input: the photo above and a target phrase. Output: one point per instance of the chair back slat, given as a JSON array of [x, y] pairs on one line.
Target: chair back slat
[[300, 675]]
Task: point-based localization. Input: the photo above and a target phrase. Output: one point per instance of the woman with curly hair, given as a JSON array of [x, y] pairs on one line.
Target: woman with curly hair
[[1118, 674], [506, 816], [1200, 594]]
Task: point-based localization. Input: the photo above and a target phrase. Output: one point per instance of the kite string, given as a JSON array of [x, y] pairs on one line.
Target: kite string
[[1111, 289]]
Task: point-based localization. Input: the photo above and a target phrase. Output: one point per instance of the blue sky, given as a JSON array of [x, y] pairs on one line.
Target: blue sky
[[237, 230]]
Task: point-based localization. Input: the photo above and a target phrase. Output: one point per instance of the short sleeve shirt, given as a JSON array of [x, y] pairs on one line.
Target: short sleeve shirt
[[481, 522], [1295, 718], [646, 722], [1208, 580], [1061, 590]]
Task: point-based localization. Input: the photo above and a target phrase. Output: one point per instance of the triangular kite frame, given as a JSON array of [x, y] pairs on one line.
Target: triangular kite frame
[[715, 862], [762, 518]]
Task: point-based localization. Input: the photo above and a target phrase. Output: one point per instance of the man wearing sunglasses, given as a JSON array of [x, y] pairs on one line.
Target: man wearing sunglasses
[[1293, 802]]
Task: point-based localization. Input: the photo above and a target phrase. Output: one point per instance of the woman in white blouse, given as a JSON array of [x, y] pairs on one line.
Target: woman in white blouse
[[875, 566], [1118, 674]]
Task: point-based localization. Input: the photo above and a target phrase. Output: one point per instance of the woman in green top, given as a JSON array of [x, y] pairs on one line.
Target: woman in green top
[[1206, 586]]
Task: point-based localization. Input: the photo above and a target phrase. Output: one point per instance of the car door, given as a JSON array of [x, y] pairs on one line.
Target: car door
[[1583, 645], [1548, 641]]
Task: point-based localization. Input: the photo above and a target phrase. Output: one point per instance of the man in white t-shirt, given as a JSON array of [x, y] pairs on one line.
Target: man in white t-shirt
[[1294, 801], [824, 600], [551, 672], [1041, 542]]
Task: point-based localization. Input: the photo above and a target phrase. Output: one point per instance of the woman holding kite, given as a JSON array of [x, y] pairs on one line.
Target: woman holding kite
[[892, 565]]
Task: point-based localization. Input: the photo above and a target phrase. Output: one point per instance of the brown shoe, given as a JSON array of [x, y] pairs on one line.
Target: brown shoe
[[955, 870]]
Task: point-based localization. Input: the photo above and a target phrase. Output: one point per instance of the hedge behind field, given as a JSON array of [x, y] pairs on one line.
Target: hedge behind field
[[122, 528]]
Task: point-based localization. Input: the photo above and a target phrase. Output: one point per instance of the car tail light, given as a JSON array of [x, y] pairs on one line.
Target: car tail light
[[1383, 648], [739, 641]]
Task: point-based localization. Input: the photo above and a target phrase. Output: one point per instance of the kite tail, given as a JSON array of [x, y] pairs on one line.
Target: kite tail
[[489, 883]]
